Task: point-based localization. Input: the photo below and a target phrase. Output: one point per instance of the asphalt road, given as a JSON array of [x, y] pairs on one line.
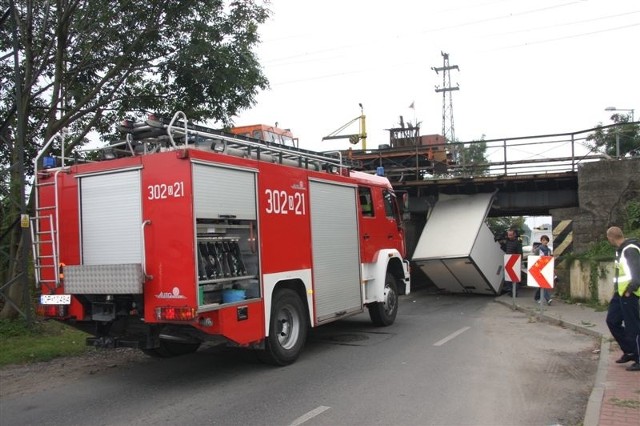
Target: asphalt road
[[447, 360]]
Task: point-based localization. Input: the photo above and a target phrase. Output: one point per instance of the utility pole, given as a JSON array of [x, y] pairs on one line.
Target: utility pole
[[447, 107]]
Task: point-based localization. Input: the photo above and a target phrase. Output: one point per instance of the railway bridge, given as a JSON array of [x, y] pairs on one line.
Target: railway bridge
[[556, 175]]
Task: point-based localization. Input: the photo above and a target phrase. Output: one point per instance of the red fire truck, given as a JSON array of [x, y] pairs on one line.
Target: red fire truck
[[185, 234]]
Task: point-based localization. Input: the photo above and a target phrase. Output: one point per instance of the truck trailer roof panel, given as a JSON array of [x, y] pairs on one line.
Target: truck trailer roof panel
[[453, 226]]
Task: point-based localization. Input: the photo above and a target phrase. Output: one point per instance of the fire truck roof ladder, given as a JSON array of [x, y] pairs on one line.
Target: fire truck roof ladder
[[179, 133]]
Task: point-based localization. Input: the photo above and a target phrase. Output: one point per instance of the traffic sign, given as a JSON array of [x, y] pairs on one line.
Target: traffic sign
[[512, 267], [540, 271]]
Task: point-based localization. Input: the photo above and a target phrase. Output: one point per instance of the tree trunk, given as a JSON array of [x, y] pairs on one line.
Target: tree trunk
[[15, 292]]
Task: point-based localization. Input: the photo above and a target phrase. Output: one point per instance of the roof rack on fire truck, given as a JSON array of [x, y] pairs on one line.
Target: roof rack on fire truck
[[159, 133]]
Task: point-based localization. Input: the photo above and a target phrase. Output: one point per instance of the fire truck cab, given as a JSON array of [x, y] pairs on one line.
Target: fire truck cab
[[190, 234]]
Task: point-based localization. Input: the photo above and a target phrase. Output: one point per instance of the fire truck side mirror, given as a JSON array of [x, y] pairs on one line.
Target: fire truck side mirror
[[403, 201], [402, 206]]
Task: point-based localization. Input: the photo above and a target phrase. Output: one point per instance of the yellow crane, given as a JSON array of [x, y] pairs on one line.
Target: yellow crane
[[353, 138]]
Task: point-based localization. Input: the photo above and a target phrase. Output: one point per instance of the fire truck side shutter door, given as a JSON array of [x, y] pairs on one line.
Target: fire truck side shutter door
[[336, 254], [222, 191], [111, 218]]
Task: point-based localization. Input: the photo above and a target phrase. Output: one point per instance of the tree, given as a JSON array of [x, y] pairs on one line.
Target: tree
[[619, 140], [83, 65], [471, 158], [500, 225]]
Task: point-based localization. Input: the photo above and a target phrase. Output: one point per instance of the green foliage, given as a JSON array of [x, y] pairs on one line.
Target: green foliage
[[600, 250], [42, 342], [500, 225], [85, 65], [623, 136], [633, 215], [472, 159], [593, 282]]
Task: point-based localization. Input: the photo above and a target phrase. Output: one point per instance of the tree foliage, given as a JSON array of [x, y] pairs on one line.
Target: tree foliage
[[83, 65], [473, 158], [500, 225], [623, 139]]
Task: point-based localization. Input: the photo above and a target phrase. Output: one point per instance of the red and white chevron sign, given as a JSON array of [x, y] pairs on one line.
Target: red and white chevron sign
[[512, 267], [540, 271]]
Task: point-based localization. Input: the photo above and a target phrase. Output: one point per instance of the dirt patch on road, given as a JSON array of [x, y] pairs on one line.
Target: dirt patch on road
[[27, 378]]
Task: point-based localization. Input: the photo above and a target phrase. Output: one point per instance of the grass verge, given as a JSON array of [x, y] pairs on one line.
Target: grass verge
[[42, 342]]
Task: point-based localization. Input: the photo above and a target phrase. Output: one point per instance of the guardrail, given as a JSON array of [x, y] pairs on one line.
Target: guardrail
[[525, 155], [554, 153]]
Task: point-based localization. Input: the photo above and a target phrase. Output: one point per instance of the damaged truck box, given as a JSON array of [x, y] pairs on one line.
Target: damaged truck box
[[457, 250]]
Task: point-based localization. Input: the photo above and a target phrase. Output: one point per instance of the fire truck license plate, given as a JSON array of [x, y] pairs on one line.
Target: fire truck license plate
[[55, 299]]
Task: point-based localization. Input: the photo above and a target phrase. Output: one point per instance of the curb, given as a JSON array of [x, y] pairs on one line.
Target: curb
[[592, 414], [552, 320], [594, 405]]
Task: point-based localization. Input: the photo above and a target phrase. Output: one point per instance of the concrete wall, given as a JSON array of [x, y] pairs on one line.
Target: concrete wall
[[604, 189], [580, 278]]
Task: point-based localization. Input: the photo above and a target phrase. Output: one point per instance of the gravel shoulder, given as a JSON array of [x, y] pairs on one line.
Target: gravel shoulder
[[27, 378]]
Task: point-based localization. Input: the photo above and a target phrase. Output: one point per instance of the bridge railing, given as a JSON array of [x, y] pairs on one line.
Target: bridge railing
[[525, 155], [553, 153]]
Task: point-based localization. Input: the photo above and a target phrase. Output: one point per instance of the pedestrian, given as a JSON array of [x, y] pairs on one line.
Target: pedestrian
[[512, 245], [543, 249], [623, 316]]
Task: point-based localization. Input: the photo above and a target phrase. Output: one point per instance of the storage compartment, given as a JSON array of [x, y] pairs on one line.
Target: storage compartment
[[231, 295], [227, 251]]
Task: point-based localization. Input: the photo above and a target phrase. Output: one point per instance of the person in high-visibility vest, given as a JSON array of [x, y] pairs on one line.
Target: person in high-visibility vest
[[623, 316]]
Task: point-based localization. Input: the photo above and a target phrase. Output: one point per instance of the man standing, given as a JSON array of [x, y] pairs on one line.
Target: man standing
[[512, 246], [543, 250], [623, 307]]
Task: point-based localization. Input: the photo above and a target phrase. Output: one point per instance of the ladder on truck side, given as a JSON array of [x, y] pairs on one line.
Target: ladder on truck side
[[163, 131], [45, 223]]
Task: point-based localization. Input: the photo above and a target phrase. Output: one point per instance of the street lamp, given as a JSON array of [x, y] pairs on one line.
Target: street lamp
[[621, 109]]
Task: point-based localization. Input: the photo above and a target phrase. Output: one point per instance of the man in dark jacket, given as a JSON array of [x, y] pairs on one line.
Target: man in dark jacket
[[623, 316], [512, 245]]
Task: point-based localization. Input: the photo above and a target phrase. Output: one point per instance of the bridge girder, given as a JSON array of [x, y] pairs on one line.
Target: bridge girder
[[519, 195]]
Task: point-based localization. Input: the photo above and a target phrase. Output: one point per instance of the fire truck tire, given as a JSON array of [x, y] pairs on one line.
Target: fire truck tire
[[170, 348], [384, 313], [288, 329]]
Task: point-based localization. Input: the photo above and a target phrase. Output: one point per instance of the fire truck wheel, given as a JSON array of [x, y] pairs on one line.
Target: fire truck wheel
[[170, 348], [287, 329], [384, 313]]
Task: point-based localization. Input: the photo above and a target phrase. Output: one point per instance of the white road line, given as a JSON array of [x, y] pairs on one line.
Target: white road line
[[311, 414], [451, 336]]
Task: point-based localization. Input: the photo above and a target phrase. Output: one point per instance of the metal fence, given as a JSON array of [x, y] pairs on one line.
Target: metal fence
[[525, 155], [553, 153]]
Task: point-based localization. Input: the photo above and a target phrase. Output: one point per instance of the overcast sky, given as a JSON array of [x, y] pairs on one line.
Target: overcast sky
[[526, 67]]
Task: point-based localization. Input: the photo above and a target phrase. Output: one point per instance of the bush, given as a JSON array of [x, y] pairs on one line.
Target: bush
[[633, 215]]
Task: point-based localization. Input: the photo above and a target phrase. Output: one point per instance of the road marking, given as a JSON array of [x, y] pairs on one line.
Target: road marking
[[311, 414], [451, 336]]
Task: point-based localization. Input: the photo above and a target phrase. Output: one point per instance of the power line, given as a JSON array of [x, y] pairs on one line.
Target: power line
[[562, 38], [444, 28], [309, 56]]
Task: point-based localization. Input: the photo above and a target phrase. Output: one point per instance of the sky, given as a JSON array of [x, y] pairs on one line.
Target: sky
[[525, 67]]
